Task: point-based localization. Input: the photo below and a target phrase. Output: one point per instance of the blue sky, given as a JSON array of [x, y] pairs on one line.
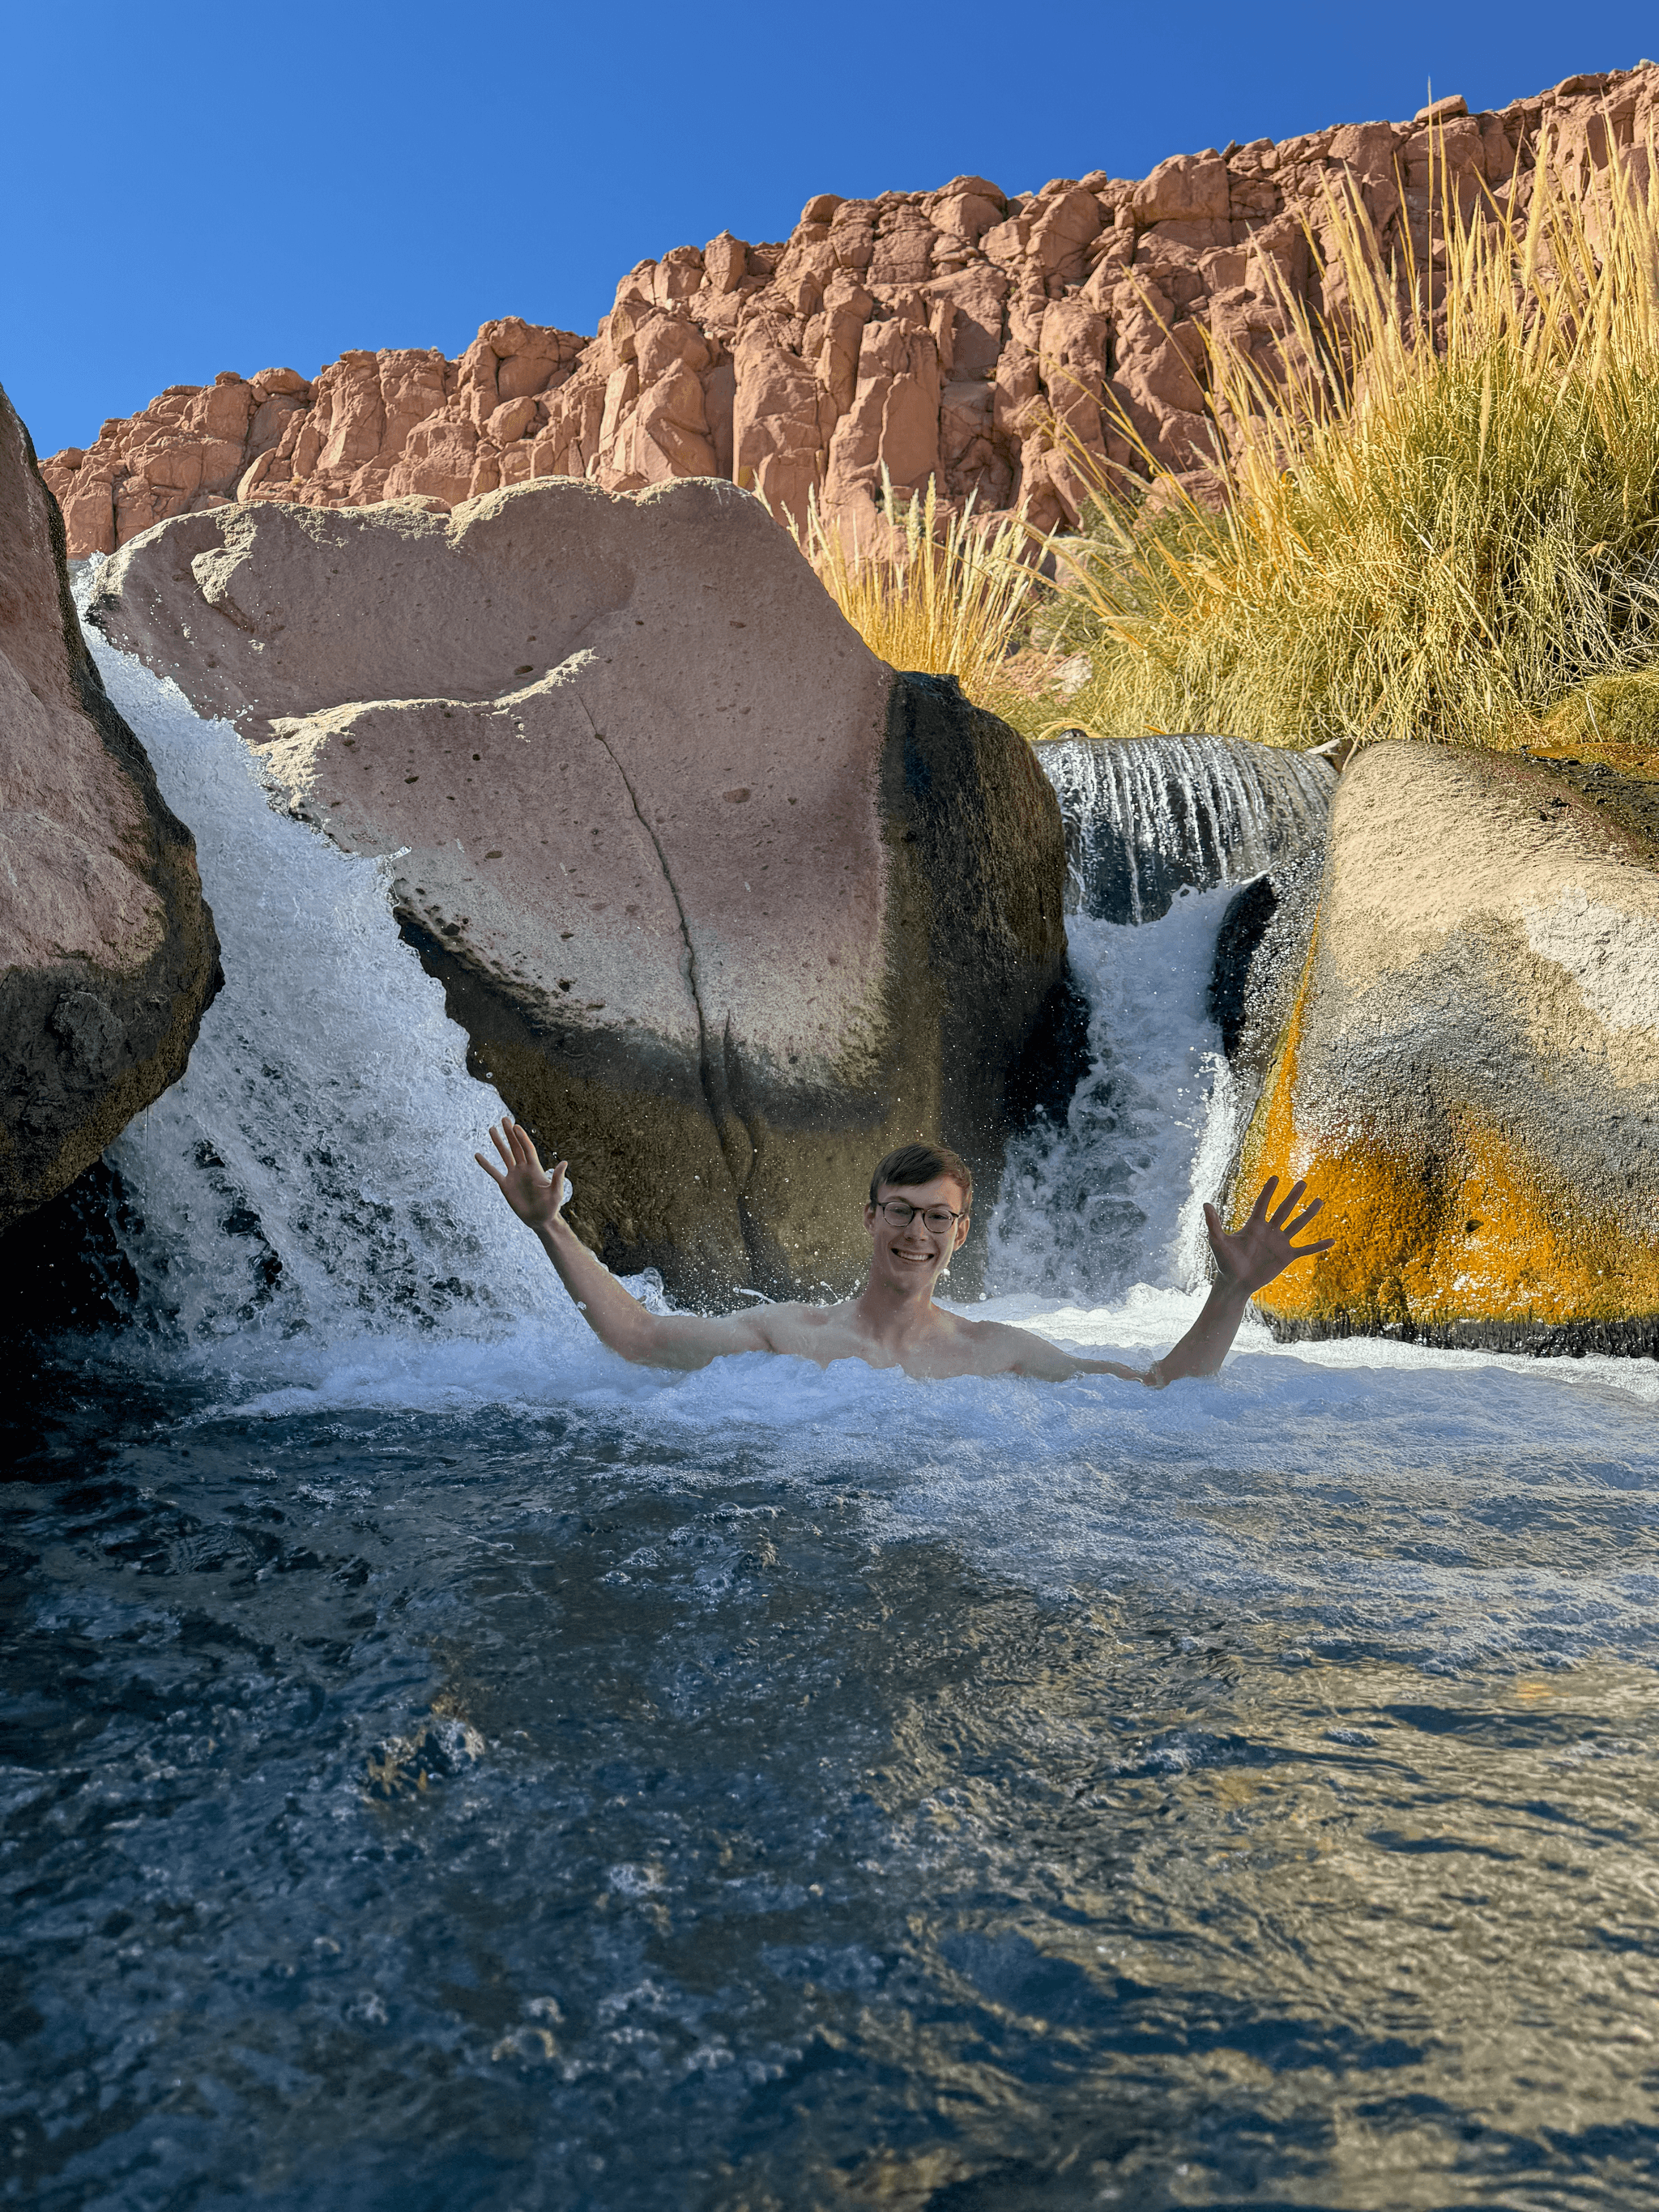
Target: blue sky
[[186, 188]]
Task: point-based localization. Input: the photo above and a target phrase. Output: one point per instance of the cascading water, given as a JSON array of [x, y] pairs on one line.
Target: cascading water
[[310, 1175], [1146, 818], [1110, 1195], [1159, 833], [449, 1769]]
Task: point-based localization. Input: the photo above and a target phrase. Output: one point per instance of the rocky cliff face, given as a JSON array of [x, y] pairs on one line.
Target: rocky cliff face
[[941, 334], [107, 951]]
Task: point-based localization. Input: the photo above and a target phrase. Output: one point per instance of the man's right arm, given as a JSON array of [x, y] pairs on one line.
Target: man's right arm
[[619, 1322]]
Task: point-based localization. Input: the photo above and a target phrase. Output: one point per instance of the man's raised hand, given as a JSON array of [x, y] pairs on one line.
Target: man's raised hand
[[533, 1194], [1251, 1256]]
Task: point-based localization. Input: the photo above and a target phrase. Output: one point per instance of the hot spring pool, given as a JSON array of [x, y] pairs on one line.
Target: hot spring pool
[[786, 1789], [447, 1769]]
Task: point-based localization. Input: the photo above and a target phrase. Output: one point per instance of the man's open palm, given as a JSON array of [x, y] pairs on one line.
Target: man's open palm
[[533, 1194], [1251, 1256]]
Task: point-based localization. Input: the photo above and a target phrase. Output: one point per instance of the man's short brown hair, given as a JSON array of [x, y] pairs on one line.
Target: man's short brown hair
[[913, 1164]]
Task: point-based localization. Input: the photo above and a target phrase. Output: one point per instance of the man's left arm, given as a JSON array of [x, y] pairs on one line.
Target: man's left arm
[[1246, 1262]]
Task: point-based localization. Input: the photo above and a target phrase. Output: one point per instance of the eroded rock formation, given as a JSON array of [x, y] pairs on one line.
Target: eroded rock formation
[[107, 950], [727, 908], [1468, 1073], [942, 334]]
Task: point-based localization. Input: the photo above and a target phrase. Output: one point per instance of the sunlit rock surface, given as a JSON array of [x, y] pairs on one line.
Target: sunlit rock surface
[[108, 951], [727, 908], [966, 336], [1469, 1073]]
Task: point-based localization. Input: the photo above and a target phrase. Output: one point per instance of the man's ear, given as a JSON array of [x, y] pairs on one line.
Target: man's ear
[[962, 1232]]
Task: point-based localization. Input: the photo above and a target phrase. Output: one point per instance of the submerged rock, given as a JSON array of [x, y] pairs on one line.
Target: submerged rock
[[110, 955], [1468, 1075], [727, 908]]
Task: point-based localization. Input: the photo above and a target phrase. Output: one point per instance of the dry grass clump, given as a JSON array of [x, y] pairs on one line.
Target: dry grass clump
[[1441, 504], [1610, 714], [950, 600]]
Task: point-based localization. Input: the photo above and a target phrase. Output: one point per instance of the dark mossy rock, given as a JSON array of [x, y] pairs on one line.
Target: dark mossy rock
[[111, 957]]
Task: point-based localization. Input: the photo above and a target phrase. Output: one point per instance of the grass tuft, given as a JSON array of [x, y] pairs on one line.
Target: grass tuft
[[1435, 510], [945, 598]]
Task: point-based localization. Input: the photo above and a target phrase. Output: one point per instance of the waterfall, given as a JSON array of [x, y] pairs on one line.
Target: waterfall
[[1146, 816], [310, 1174], [1160, 834], [308, 1181]]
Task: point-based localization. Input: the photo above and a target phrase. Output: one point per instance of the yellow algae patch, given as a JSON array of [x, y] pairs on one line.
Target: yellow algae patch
[[1468, 1227], [1468, 1078]]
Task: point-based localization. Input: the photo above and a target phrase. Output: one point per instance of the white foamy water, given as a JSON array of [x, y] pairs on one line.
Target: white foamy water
[[316, 1235], [309, 1181], [1146, 815], [1112, 1197]]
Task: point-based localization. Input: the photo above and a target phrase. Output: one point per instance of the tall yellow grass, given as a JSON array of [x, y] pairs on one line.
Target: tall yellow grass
[[949, 599], [1439, 507]]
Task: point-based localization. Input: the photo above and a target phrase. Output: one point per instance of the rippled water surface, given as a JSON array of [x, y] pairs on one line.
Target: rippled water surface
[[931, 1795], [445, 1768]]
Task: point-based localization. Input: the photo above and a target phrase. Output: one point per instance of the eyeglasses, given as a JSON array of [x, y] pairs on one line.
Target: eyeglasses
[[938, 1219]]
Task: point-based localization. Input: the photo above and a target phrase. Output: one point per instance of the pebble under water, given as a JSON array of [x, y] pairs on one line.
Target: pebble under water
[[445, 1768]]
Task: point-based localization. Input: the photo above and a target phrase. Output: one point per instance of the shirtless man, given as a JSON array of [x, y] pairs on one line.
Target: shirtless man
[[921, 1200]]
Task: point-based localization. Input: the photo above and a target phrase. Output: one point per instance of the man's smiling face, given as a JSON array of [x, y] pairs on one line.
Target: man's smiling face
[[904, 1255]]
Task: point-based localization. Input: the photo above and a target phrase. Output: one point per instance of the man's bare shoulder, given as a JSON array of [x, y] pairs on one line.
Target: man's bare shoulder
[[805, 1330], [997, 1347]]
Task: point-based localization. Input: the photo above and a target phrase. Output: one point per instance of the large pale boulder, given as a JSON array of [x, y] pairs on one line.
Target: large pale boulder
[[1468, 1073], [108, 952], [727, 908]]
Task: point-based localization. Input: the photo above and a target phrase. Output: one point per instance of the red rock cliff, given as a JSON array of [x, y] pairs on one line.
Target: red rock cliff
[[939, 334]]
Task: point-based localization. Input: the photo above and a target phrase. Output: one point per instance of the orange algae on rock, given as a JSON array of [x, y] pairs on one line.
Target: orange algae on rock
[[1469, 1075], [1429, 1243]]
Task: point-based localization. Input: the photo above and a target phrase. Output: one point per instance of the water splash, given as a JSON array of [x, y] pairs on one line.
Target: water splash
[[1146, 816], [310, 1174]]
